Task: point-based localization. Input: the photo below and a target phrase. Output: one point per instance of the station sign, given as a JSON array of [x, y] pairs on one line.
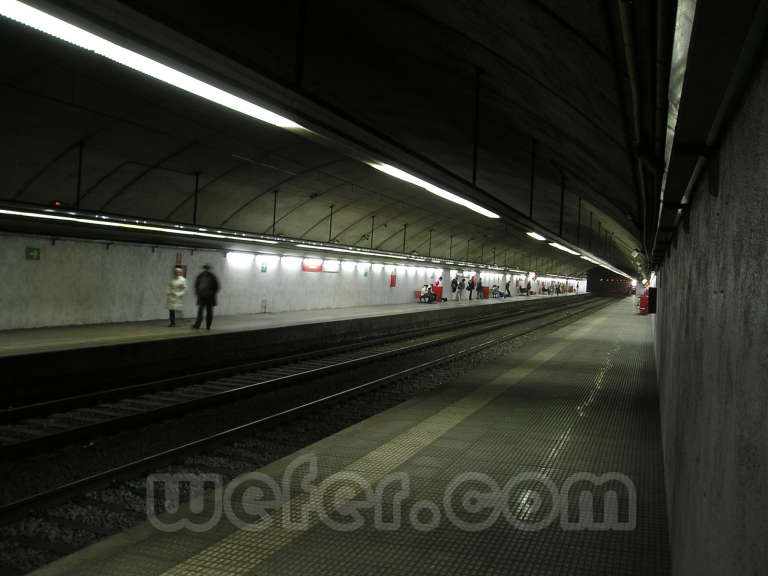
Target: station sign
[[312, 265]]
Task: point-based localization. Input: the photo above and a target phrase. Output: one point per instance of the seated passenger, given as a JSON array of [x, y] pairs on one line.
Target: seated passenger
[[425, 292]]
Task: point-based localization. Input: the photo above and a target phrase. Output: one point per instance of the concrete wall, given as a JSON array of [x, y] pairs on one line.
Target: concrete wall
[[78, 282], [712, 351]]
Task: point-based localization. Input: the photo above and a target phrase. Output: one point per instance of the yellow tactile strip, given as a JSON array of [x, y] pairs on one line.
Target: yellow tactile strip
[[241, 552]]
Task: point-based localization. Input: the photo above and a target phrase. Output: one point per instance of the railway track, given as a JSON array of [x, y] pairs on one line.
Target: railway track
[[57, 521], [41, 427]]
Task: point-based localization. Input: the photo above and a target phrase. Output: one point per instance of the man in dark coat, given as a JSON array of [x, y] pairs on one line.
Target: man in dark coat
[[206, 287]]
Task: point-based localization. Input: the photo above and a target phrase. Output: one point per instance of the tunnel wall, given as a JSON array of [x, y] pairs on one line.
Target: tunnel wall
[[712, 358], [601, 282], [77, 282], [81, 282]]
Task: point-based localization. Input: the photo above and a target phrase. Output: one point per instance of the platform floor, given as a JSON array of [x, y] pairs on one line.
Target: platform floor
[[517, 431], [35, 340]]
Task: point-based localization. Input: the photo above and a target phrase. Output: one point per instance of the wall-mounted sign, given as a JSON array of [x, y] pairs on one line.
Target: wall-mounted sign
[[32, 253], [392, 280], [331, 266], [312, 265]]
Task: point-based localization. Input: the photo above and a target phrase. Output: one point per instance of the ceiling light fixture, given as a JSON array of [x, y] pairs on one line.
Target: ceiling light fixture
[[563, 248], [118, 224], [269, 259], [350, 251], [535, 236], [240, 259], [606, 266], [444, 194], [290, 262], [62, 30], [331, 265]]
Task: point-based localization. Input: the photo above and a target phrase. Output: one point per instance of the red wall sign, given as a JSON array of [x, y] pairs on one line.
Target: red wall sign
[[312, 267]]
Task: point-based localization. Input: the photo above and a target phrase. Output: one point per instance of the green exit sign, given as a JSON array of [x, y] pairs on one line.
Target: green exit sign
[[32, 253]]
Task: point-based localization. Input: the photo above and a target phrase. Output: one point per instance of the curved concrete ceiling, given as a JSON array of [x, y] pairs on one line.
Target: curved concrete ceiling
[[542, 88]]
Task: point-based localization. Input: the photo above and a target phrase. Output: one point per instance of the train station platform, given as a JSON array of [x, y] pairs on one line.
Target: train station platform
[[35, 340], [546, 460], [47, 363]]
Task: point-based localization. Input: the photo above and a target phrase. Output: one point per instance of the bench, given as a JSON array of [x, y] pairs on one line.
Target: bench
[[422, 296]]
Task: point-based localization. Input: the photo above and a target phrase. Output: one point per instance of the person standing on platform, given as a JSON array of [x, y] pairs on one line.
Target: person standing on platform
[[460, 291], [528, 288], [177, 287], [479, 287], [471, 286], [206, 288], [506, 287], [455, 287], [439, 284]]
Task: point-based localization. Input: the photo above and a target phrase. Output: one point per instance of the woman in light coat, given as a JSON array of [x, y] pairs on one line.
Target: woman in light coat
[[177, 287]]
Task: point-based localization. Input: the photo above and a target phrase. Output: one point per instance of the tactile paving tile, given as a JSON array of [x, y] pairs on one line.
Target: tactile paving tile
[[600, 417], [580, 400], [594, 419]]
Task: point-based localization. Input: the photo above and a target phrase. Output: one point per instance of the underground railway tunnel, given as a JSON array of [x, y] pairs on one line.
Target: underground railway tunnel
[[488, 287]]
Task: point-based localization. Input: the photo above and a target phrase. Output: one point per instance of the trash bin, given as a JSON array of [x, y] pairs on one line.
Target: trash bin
[[643, 307]]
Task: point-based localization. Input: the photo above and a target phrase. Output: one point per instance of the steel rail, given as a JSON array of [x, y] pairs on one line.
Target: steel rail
[[37, 409], [52, 496], [171, 407]]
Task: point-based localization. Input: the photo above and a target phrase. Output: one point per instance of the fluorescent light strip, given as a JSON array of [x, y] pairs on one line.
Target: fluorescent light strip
[[240, 259], [606, 266], [444, 194], [48, 24], [535, 236], [218, 236], [331, 265], [563, 248], [350, 251], [182, 232]]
